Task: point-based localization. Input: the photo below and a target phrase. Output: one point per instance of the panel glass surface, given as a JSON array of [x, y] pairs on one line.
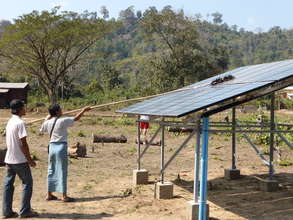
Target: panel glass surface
[[202, 94]]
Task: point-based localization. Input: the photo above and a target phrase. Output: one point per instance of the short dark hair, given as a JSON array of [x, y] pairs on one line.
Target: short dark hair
[[16, 105], [53, 109]]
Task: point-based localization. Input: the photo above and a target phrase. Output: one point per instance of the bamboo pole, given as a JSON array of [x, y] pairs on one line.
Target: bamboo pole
[[114, 103], [138, 99]]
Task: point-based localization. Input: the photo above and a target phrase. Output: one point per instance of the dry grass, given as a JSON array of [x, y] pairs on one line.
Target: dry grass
[[102, 182]]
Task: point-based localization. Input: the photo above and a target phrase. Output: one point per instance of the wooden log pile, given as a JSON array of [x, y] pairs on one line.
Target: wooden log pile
[[179, 129], [2, 156], [109, 139], [77, 150]]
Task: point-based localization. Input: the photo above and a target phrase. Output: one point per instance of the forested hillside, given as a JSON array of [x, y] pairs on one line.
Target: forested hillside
[[140, 53]]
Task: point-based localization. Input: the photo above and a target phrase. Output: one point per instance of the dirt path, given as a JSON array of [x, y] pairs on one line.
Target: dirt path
[[102, 182]]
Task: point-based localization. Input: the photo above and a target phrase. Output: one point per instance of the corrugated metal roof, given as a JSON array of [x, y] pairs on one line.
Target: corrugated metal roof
[[4, 90], [289, 88], [5, 85], [203, 94]]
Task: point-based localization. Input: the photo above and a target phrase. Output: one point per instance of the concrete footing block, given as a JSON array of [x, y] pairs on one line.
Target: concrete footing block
[[140, 177], [193, 210], [268, 185], [164, 190], [232, 174]]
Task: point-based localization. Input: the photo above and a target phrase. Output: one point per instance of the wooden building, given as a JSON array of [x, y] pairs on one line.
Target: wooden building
[[10, 91]]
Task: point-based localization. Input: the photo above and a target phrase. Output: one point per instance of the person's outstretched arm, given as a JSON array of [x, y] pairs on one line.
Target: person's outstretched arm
[[78, 116]]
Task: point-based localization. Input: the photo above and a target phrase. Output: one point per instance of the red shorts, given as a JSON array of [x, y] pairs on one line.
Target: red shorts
[[144, 125]]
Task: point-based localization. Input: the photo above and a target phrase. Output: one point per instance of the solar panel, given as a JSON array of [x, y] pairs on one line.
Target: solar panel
[[202, 94]]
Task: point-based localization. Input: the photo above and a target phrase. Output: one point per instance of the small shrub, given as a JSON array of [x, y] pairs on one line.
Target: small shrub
[[107, 121], [34, 156], [132, 150], [81, 134], [125, 121], [285, 163]]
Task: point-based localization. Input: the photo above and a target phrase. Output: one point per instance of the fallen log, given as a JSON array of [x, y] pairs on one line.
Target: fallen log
[[154, 143], [2, 156], [109, 139], [77, 150], [179, 129]]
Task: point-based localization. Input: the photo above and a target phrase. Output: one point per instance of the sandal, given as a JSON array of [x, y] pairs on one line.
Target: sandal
[[30, 214], [11, 215], [51, 198], [68, 199]]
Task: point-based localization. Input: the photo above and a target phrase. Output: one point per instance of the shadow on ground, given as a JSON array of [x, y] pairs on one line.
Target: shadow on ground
[[75, 216], [244, 197], [98, 198]]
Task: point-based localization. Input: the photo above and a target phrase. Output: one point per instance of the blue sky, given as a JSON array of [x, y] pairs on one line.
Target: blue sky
[[250, 14]]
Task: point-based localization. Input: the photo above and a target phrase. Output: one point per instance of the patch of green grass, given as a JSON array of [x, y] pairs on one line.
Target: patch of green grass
[[265, 151], [87, 187], [125, 121], [80, 134], [132, 150], [108, 122], [34, 156], [285, 163]]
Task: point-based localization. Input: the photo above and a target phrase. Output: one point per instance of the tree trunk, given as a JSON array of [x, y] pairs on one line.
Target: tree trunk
[[109, 139], [179, 129], [78, 150], [52, 95], [154, 143]]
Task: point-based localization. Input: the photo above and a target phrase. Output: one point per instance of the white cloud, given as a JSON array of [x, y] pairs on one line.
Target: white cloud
[[62, 3]]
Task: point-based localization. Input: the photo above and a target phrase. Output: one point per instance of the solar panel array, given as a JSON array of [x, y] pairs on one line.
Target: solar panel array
[[202, 94]]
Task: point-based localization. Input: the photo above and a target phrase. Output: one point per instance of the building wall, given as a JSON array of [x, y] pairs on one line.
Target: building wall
[[13, 94], [3, 100], [17, 94]]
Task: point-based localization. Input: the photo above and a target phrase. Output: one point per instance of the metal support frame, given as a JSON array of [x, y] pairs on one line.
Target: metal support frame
[[285, 140], [162, 150], [178, 150], [149, 143], [233, 138], [272, 122], [204, 171], [196, 164], [247, 131], [256, 149], [138, 144]]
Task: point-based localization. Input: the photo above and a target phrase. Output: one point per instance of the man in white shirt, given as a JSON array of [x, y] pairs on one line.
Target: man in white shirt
[[18, 162]]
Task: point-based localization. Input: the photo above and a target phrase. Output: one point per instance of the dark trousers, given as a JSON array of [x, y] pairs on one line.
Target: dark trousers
[[23, 171]]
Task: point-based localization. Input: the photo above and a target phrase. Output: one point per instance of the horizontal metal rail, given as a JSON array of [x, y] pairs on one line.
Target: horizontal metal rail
[[248, 131]]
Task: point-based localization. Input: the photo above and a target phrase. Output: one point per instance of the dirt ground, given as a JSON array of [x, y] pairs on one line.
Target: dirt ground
[[102, 182]]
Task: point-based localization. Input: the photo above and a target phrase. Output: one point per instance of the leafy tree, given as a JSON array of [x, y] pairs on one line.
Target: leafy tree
[[217, 18], [49, 44], [104, 11], [182, 58]]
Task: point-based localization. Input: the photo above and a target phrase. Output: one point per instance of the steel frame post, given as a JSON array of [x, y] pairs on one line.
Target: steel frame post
[[204, 171], [162, 150], [233, 138], [138, 143], [272, 123], [196, 163]]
